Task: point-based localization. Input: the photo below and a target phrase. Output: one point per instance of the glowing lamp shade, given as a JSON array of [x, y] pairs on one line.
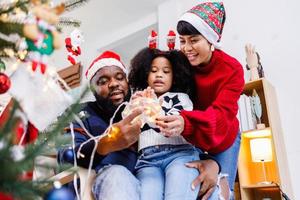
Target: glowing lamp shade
[[261, 149]]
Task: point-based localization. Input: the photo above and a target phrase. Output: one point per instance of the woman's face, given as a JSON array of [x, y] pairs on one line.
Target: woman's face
[[160, 77], [196, 48]]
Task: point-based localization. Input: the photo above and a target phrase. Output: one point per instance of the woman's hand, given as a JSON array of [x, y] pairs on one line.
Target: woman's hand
[[171, 125]]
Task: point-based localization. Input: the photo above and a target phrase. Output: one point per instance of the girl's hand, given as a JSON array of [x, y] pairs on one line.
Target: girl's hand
[[146, 93], [137, 95], [149, 93], [171, 125]]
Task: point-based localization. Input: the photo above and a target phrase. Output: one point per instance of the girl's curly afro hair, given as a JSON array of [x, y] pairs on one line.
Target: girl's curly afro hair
[[183, 78]]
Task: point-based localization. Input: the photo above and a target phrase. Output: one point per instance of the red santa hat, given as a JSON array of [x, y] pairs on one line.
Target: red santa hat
[[107, 58], [171, 34]]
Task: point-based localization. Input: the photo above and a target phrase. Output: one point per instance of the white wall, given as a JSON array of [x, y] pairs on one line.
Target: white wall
[[274, 29]]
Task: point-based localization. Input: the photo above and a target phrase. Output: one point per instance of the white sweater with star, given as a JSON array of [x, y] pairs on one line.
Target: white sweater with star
[[172, 104]]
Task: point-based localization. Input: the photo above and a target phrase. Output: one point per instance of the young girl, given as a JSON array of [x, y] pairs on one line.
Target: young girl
[[161, 164]]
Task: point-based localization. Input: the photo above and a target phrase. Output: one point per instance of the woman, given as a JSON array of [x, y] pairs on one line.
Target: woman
[[212, 125]]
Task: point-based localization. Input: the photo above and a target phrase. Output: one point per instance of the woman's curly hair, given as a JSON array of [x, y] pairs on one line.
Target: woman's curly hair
[[183, 77]]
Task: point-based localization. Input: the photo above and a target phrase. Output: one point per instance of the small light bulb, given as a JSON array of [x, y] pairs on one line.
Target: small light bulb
[[114, 130]]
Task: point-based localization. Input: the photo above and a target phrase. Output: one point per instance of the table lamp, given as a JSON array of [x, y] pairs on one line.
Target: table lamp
[[261, 151]]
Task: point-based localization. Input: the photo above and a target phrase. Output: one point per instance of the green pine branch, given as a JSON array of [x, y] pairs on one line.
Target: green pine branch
[[7, 29], [11, 170], [63, 21], [72, 4], [10, 27], [19, 4]]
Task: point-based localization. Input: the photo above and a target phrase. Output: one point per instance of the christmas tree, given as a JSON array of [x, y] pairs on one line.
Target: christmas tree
[[39, 110]]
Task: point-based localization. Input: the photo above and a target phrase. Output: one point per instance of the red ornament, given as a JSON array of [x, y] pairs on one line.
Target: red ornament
[[72, 44], [5, 197], [4, 83]]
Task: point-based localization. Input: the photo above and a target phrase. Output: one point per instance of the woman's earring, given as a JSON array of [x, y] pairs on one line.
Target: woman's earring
[[212, 47]]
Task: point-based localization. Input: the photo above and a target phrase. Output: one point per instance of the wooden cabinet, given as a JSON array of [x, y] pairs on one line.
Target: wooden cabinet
[[251, 174]]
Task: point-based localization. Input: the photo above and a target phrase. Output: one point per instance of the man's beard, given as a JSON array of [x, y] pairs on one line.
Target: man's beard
[[107, 105]]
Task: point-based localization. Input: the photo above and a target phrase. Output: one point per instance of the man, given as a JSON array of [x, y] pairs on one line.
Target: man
[[115, 159]]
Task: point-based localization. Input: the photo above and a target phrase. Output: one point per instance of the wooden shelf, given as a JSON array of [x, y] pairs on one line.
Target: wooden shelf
[[256, 133], [250, 173], [259, 186], [257, 84], [71, 75]]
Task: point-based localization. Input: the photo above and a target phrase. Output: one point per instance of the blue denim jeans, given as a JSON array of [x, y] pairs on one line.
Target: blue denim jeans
[[163, 175], [115, 182], [228, 160]]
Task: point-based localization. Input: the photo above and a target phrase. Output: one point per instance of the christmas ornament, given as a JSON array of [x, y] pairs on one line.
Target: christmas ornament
[[59, 193], [152, 40], [17, 153], [171, 40], [26, 132], [4, 79], [73, 45], [68, 155], [41, 34], [2, 144], [5, 196], [4, 83], [40, 96]]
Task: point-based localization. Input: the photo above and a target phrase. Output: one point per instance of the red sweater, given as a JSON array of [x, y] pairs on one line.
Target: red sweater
[[212, 125]]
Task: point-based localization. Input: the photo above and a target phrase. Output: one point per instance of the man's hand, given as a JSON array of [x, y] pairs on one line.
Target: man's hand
[[126, 134], [208, 177]]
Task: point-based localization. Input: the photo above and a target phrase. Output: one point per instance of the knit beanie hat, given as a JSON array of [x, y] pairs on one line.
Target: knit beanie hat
[[208, 18], [107, 58]]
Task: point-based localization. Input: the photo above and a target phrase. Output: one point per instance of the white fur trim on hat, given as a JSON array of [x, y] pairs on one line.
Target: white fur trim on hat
[[202, 27], [103, 63]]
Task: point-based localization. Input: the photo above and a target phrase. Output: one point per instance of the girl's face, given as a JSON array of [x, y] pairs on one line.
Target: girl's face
[[160, 77], [196, 48]]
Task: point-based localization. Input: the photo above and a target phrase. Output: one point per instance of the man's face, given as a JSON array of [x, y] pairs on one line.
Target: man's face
[[110, 84]]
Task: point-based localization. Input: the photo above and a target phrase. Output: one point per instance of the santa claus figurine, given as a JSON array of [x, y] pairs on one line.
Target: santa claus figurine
[[171, 40], [152, 40], [73, 45]]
